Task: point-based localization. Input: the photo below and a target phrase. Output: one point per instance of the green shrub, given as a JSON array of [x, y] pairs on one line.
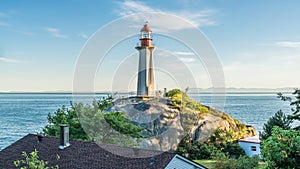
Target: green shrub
[[282, 149], [202, 151], [183, 101], [243, 162], [197, 150], [219, 143], [32, 161], [233, 150]]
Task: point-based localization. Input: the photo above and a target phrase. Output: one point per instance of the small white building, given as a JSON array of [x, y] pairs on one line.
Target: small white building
[[251, 146]]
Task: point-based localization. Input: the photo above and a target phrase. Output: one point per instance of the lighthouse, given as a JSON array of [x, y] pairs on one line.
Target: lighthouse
[[145, 83]]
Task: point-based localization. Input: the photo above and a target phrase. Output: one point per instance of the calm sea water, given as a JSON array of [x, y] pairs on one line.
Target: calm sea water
[[25, 113]]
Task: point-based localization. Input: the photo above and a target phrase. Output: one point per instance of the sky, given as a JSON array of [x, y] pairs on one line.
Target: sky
[[257, 42]]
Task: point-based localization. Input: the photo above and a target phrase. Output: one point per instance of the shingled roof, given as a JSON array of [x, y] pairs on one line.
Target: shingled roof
[[84, 154]]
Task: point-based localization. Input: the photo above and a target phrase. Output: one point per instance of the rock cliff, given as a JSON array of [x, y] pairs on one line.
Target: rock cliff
[[167, 120]]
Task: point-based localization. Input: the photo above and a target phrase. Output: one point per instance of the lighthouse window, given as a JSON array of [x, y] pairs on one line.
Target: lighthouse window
[[253, 148], [145, 34]]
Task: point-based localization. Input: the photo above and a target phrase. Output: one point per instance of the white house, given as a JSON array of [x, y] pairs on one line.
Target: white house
[[251, 145]]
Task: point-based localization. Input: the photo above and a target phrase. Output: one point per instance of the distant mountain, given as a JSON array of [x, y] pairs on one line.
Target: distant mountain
[[241, 90]]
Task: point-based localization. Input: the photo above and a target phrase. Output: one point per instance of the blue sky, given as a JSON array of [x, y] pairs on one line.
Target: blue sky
[[258, 42]]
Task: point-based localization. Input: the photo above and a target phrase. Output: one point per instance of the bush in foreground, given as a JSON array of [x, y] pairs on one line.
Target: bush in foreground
[[32, 161], [243, 162], [282, 149]]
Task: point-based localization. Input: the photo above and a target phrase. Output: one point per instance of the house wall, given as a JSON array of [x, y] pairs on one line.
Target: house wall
[[251, 149]]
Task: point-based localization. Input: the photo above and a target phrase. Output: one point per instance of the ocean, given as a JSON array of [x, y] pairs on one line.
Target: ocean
[[23, 113]]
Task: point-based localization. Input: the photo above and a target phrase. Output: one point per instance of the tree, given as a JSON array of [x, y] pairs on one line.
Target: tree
[[233, 150], [66, 116], [295, 105], [196, 150], [32, 161], [120, 123], [282, 149], [103, 127], [280, 120]]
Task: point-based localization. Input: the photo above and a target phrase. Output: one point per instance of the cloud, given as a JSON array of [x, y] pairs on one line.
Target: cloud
[[4, 15], [183, 53], [163, 53], [83, 35], [197, 18], [200, 18], [4, 24], [2, 59], [170, 53], [131, 7], [9, 27], [22, 32], [8, 13], [187, 60], [276, 68], [55, 32], [182, 56], [290, 44]]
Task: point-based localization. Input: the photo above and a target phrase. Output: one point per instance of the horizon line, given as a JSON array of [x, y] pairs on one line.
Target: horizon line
[[205, 90]]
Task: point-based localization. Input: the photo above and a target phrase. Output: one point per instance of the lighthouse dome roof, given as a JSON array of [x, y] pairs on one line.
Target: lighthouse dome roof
[[146, 28]]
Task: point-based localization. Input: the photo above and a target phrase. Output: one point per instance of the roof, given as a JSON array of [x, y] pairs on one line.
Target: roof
[[81, 154], [253, 139], [146, 28], [177, 160]]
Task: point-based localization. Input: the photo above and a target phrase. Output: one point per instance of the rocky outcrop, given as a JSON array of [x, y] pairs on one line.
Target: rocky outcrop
[[205, 126], [165, 124]]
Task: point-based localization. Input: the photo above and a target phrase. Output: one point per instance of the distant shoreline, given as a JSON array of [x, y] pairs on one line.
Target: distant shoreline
[[105, 93], [229, 90]]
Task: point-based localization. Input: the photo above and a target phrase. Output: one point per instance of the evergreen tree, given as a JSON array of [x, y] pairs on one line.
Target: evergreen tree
[[280, 120], [103, 127], [295, 105]]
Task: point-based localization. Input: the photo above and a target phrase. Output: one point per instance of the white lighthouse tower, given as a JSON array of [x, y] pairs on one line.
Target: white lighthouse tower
[[145, 84]]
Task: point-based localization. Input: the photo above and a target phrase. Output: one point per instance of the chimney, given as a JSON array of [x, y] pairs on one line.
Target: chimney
[[64, 136], [40, 137], [165, 91]]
